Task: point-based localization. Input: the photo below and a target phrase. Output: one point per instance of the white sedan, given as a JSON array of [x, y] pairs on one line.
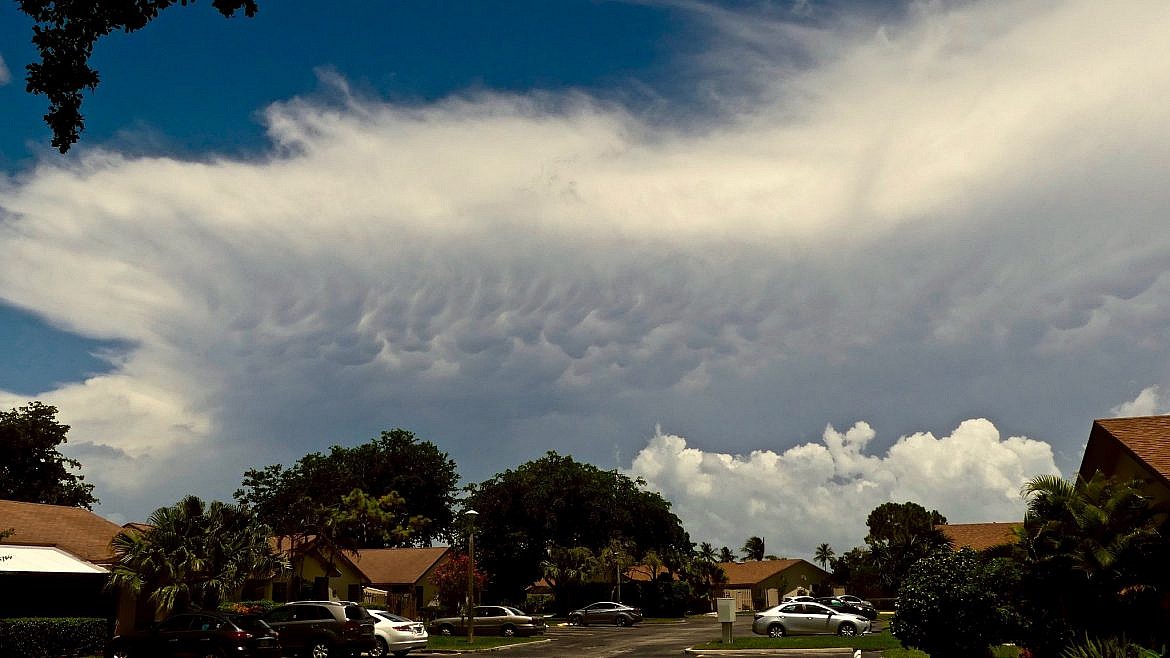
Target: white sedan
[[397, 635]]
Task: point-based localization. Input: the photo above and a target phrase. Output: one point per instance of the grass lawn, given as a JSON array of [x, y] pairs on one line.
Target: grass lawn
[[459, 643], [997, 652], [880, 641]]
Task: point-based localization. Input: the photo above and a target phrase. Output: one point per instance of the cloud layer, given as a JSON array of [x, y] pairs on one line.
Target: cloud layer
[[811, 493], [955, 215]]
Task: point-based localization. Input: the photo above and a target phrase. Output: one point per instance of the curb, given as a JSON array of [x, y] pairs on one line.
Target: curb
[[455, 652], [826, 651]]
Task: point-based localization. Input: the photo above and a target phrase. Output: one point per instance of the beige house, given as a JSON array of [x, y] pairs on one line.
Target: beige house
[[316, 574], [756, 585], [1131, 448], [404, 574]]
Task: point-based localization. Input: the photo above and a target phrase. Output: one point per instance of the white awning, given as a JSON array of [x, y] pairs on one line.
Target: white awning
[[42, 559]]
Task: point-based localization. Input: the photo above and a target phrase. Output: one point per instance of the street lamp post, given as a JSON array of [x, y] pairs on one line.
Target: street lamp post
[[470, 516]]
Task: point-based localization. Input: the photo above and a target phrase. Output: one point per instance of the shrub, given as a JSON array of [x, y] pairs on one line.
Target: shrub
[[953, 603], [44, 637], [1112, 647], [248, 607]]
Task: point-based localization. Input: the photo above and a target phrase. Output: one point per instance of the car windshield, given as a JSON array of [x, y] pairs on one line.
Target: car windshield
[[515, 611], [356, 612], [251, 623]]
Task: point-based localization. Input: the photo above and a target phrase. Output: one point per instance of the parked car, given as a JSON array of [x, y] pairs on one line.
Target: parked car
[[855, 599], [491, 620], [843, 605], [321, 629], [198, 635], [807, 619], [803, 598], [605, 612], [397, 635]]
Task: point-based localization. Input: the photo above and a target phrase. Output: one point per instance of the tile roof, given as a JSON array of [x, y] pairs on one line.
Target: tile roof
[[397, 566], [72, 529], [1147, 437], [981, 536], [751, 572]]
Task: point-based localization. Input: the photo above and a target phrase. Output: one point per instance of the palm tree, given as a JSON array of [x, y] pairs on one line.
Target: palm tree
[[194, 553], [725, 555], [824, 555], [707, 552], [753, 548], [1096, 551]]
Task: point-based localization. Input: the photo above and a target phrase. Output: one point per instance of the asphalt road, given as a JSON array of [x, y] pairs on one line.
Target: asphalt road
[[642, 641]]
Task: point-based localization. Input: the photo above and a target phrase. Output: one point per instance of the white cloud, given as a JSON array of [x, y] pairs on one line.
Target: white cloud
[[977, 190], [5, 76], [810, 493], [1150, 402]]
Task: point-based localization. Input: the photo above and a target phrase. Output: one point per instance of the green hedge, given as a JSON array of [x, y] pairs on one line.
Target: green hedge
[[45, 637]]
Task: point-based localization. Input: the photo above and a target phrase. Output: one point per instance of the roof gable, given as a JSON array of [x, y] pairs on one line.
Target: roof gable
[[754, 571], [398, 566], [73, 529], [1147, 438], [981, 536]]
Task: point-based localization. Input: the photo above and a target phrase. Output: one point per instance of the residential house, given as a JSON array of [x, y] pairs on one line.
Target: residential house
[[317, 574], [405, 574], [1131, 448], [58, 562], [756, 585]]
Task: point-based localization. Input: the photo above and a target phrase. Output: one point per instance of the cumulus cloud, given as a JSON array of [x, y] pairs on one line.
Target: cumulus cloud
[[810, 493], [964, 206], [1150, 402]]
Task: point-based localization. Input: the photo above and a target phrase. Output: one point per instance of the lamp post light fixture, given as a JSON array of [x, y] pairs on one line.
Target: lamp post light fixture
[[470, 516]]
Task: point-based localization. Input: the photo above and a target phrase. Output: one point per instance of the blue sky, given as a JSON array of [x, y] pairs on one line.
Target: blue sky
[[870, 251]]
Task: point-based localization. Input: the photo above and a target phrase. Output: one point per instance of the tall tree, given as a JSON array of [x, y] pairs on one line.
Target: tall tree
[[193, 553], [900, 534], [31, 467], [753, 548], [707, 552], [65, 33], [556, 501], [824, 555], [397, 464], [567, 568], [726, 555]]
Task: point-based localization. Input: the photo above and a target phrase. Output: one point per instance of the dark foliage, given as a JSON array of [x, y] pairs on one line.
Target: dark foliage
[[557, 502], [395, 464], [31, 468], [957, 604], [65, 32], [45, 637]]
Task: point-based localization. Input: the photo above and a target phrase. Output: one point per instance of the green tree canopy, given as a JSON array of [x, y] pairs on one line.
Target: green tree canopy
[[65, 33], [556, 501], [31, 468], [192, 553], [956, 603], [421, 478], [900, 534]]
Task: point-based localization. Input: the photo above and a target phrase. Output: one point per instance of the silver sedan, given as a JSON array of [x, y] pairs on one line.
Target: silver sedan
[[807, 619]]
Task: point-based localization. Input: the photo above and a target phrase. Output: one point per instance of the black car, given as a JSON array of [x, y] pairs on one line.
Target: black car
[[200, 635], [323, 629], [863, 609], [605, 612]]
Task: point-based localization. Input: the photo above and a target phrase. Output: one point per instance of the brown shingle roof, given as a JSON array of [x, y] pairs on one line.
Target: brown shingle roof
[[751, 572], [397, 566], [72, 529], [981, 536], [1147, 437]]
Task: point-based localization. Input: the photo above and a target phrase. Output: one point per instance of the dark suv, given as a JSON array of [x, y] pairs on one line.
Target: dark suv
[[323, 629], [199, 634]]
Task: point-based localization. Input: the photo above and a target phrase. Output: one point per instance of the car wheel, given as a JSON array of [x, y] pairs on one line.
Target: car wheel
[[380, 649], [622, 621], [446, 630], [775, 630], [847, 629], [319, 649], [508, 631]]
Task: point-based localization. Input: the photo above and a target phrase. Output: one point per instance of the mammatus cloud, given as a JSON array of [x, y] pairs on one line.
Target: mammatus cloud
[[1150, 402], [957, 214], [799, 497]]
